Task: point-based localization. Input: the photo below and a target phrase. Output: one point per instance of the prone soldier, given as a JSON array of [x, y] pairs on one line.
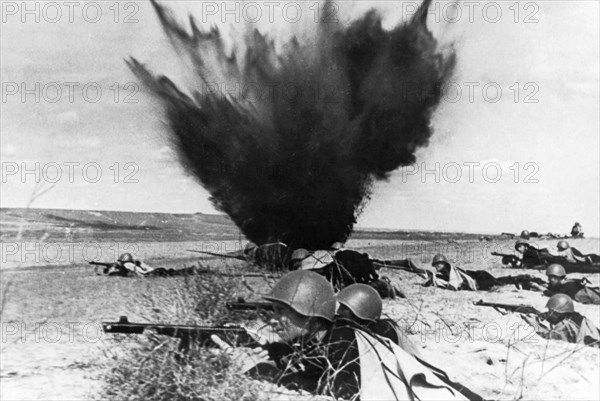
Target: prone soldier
[[126, 265], [575, 289], [453, 278], [572, 255], [564, 323], [448, 276], [343, 267]]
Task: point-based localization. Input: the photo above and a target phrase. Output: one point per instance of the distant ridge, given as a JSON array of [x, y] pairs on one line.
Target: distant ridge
[[74, 225], [103, 224]]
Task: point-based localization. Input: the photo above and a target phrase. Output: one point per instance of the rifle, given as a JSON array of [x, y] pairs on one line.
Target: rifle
[[106, 265], [251, 274], [403, 264], [527, 309], [507, 258], [523, 281], [242, 305], [236, 335], [233, 255]]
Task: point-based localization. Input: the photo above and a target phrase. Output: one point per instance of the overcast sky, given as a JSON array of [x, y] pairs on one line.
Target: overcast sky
[[541, 132]]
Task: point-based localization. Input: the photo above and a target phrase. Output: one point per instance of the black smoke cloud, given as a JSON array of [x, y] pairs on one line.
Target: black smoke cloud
[[299, 169]]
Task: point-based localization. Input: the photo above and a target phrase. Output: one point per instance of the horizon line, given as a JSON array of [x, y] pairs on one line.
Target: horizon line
[[361, 228]]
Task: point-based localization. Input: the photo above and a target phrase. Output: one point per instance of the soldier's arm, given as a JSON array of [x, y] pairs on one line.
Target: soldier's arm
[[537, 287]]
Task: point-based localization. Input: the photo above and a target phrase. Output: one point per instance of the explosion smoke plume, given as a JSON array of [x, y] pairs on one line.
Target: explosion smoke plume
[[299, 171]]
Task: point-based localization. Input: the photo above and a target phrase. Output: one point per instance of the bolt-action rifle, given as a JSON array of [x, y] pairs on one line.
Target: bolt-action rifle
[[527, 309], [401, 264], [235, 335], [106, 266]]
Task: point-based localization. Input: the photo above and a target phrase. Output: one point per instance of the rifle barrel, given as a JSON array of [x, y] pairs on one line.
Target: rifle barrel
[[249, 306], [510, 307], [250, 274], [219, 255]]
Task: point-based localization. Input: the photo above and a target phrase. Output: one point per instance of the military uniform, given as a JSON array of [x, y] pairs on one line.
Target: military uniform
[[351, 267], [578, 291], [389, 329], [576, 231], [311, 363], [452, 278], [350, 363], [574, 328]]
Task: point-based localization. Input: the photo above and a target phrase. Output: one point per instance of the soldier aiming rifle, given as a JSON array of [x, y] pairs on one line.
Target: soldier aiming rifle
[[560, 322]]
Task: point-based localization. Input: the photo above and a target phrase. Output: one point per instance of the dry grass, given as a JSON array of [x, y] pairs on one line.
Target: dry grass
[[152, 368]]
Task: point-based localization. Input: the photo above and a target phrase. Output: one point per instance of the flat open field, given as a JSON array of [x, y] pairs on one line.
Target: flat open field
[[53, 347]]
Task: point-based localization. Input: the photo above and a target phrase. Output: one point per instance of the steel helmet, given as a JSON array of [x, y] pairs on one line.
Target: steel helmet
[[560, 303], [439, 258], [126, 257], [562, 245], [299, 254], [363, 300], [556, 270], [524, 234], [521, 242], [306, 292]]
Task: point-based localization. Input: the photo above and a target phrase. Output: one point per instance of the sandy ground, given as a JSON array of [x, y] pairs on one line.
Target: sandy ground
[[52, 345]]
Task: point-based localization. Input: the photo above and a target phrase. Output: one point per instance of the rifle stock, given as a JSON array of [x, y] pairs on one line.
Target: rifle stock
[[527, 309]]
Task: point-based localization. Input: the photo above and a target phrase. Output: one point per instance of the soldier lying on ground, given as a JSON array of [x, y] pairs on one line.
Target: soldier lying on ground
[[126, 265], [534, 258], [449, 277], [453, 278], [333, 358], [362, 305], [563, 323], [574, 256], [577, 290], [343, 267], [530, 256]]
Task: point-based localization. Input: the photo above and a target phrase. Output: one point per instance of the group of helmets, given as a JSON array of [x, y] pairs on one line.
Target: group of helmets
[[562, 245], [310, 294]]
